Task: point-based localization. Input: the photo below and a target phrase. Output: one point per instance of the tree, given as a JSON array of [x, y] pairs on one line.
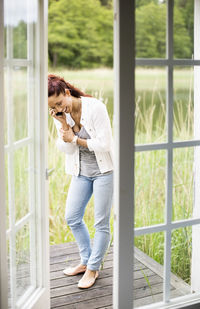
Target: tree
[[151, 32], [107, 3], [80, 33], [187, 10], [139, 3]]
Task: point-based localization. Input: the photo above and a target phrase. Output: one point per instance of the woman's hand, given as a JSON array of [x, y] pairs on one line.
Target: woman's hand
[[61, 118], [67, 135]]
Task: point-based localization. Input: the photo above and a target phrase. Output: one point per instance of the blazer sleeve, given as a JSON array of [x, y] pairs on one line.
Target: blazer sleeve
[[60, 144], [102, 142]]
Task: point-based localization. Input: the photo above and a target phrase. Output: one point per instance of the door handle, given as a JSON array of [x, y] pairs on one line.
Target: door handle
[[49, 172]]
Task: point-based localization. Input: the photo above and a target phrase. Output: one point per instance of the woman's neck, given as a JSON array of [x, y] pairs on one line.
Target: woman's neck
[[76, 105]]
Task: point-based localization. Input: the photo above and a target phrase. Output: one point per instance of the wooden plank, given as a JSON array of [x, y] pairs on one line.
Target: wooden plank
[[108, 299], [101, 292], [55, 248], [67, 280], [57, 269], [78, 297], [68, 247], [107, 307], [73, 289], [177, 282], [150, 300], [101, 282], [72, 257], [90, 304], [66, 294]]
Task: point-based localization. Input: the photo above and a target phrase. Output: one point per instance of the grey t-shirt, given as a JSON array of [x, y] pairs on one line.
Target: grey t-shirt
[[87, 158]]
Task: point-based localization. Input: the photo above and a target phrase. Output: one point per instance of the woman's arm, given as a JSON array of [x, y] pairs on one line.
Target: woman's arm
[[103, 140], [68, 135], [63, 146]]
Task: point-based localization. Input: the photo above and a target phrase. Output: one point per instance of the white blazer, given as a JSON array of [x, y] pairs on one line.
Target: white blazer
[[96, 121]]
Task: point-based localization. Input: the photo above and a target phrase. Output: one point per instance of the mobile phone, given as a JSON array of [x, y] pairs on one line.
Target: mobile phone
[[59, 114]]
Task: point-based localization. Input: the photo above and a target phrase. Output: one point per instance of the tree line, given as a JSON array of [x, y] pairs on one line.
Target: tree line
[[80, 32]]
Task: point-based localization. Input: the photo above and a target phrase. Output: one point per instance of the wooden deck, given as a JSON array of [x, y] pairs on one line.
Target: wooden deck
[[66, 294]]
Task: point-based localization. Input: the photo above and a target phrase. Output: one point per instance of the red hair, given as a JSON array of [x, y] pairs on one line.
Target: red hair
[[57, 85]]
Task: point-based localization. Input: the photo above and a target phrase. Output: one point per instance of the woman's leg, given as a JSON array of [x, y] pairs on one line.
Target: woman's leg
[[103, 194], [79, 193]]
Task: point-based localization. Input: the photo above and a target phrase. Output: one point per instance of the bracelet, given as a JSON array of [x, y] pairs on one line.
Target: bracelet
[[74, 141]]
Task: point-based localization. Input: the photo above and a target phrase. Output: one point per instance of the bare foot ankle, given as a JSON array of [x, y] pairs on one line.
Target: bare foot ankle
[[72, 271], [81, 266], [90, 274]]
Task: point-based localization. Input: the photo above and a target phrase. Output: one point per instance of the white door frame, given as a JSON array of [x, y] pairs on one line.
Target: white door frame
[[3, 255], [40, 297], [123, 122], [195, 269]]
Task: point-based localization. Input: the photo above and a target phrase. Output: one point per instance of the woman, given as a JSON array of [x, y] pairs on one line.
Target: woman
[[85, 136]]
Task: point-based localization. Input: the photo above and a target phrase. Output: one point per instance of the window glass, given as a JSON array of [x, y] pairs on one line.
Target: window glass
[[150, 175], [20, 104], [21, 179], [23, 260], [184, 259], [150, 109], [148, 269], [183, 107], [185, 185], [150, 32], [183, 29], [7, 192]]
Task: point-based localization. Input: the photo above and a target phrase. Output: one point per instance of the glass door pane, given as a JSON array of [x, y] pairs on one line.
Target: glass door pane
[[24, 136], [173, 134]]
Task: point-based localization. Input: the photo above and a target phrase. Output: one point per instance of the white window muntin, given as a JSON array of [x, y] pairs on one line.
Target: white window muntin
[[170, 63], [3, 258], [123, 17], [169, 146], [12, 145], [36, 70]]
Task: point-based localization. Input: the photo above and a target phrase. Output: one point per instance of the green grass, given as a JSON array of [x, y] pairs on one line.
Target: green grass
[[150, 166]]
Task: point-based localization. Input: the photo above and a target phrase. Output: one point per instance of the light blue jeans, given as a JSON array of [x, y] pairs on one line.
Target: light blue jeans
[[80, 191]]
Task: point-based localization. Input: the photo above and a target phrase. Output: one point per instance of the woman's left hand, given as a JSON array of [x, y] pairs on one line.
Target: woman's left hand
[[67, 135]]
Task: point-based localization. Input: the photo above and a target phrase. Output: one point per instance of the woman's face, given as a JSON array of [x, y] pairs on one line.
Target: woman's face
[[61, 103]]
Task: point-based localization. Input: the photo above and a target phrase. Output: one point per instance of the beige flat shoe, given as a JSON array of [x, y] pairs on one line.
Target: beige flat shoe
[[85, 284], [73, 271]]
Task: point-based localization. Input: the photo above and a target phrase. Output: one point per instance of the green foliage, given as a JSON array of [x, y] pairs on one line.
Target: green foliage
[[80, 33], [182, 39], [20, 40], [107, 3], [187, 10], [139, 3], [151, 32]]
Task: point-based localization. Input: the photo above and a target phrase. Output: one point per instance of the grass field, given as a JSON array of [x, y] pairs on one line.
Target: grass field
[[150, 166]]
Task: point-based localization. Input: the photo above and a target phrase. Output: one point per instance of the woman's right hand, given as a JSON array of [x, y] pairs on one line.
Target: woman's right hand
[[61, 118]]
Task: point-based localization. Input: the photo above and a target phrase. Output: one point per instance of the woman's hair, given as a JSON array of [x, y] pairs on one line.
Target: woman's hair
[[57, 85]]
